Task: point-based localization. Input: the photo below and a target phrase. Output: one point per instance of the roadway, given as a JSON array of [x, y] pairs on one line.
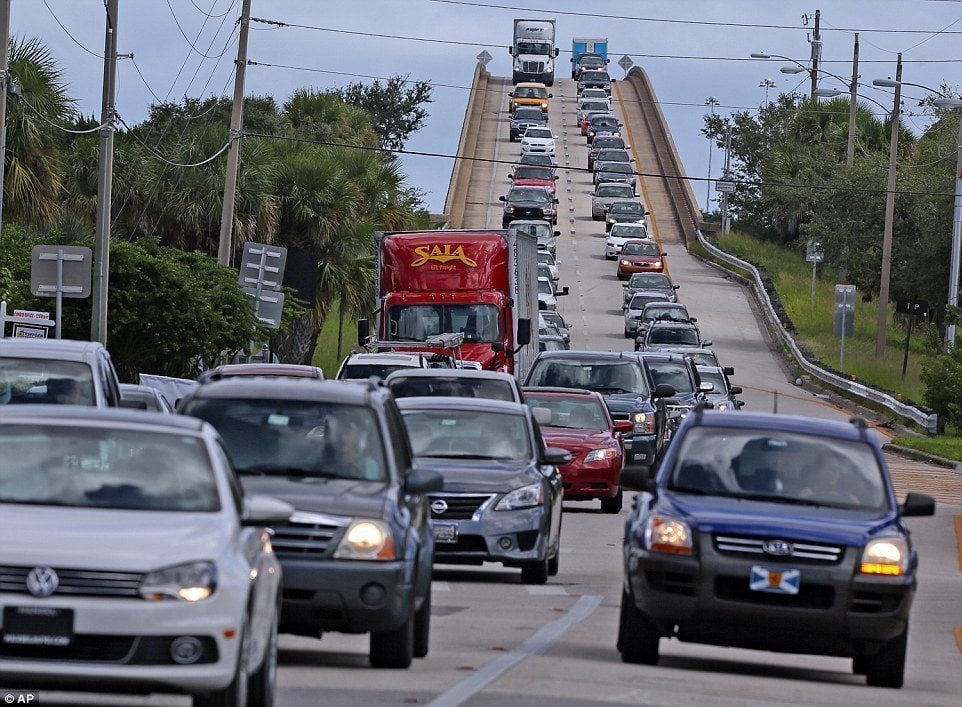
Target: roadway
[[498, 642]]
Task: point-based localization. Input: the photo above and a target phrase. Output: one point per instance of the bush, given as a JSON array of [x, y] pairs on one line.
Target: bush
[[943, 387]]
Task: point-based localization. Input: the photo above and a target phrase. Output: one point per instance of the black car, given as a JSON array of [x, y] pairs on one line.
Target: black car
[[650, 281], [680, 373], [524, 118], [594, 79], [538, 159], [502, 488], [771, 532], [664, 311], [588, 62], [722, 393], [622, 211], [627, 386], [358, 551], [603, 125], [605, 142], [528, 203], [613, 154], [616, 173], [664, 336]]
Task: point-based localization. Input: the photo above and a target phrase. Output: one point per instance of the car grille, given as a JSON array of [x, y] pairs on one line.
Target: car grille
[[123, 650], [465, 544], [303, 540], [529, 212], [799, 551], [459, 507], [532, 67], [92, 583], [679, 411]]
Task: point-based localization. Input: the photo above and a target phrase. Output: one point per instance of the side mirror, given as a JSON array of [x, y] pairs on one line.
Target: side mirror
[[511, 95], [728, 370], [550, 95], [556, 457], [363, 331], [740, 404], [613, 79], [676, 287], [264, 510], [556, 201], [705, 387], [511, 177], [706, 344], [663, 390], [624, 307], [693, 320], [624, 284], [524, 332], [736, 390], [497, 346], [557, 233], [607, 61], [664, 254], [557, 51], [541, 415], [637, 478], [918, 504], [556, 179], [500, 198], [563, 293], [624, 426], [423, 481]]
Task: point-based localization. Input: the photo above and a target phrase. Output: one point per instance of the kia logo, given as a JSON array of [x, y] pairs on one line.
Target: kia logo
[[439, 506], [777, 547], [42, 581]]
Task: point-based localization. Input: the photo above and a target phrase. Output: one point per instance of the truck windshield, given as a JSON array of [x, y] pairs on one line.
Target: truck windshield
[[47, 382], [535, 194], [542, 48], [530, 92], [416, 322], [673, 374], [469, 434]]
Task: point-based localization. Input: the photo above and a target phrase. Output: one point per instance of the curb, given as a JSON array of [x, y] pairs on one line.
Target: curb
[[919, 455]]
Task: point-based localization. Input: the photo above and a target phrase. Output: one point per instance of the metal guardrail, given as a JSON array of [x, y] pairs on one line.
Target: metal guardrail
[[928, 420]]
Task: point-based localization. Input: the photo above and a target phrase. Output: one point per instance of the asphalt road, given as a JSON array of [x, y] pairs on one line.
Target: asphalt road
[[498, 642]]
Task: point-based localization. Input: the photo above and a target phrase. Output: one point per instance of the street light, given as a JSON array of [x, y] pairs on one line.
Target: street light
[[767, 84], [711, 102]]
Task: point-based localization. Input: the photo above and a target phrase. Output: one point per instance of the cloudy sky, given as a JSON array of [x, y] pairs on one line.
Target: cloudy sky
[[187, 47]]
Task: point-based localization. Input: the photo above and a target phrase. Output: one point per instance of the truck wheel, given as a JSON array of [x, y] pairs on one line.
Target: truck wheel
[[422, 627], [535, 572], [637, 635], [887, 667], [613, 505], [393, 649]]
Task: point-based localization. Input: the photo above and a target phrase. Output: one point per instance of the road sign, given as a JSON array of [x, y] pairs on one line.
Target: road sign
[[918, 307], [30, 314], [484, 57], [724, 187], [262, 266], [844, 310], [268, 305], [23, 331], [814, 252], [625, 62], [60, 271]]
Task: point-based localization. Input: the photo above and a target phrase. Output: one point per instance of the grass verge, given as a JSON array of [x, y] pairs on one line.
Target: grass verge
[[943, 446], [325, 355]]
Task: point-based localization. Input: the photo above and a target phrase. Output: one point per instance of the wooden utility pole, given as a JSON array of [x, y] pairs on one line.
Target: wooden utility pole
[[225, 245], [4, 86], [816, 54], [98, 319], [883, 295], [853, 104]]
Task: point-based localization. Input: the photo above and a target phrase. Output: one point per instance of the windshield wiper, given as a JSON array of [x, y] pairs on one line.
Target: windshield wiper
[[777, 499], [268, 470], [463, 456], [613, 390]]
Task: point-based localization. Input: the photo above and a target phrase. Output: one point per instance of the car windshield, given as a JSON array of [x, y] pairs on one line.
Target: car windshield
[[626, 207], [543, 48], [536, 194], [617, 167], [673, 335], [606, 377], [639, 302], [528, 114], [655, 312], [416, 322], [595, 76], [574, 412], [554, 318], [424, 386], [781, 467], [608, 143], [359, 371], [625, 230], [538, 230], [543, 173], [46, 382], [539, 133], [671, 373], [303, 438], [613, 156], [545, 259], [545, 287], [104, 467], [591, 61], [536, 158], [649, 280], [595, 93], [551, 343], [587, 106], [531, 91], [640, 249], [704, 358], [716, 379], [604, 121], [618, 191], [469, 434]]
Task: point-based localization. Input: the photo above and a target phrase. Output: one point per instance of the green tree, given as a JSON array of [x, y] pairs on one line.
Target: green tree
[[396, 107]]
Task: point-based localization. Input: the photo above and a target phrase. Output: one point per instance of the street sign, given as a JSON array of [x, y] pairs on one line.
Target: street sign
[[74, 264], [31, 314], [22, 331], [724, 187], [844, 310], [625, 62], [262, 266], [918, 307], [484, 57], [814, 252], [268, 305]]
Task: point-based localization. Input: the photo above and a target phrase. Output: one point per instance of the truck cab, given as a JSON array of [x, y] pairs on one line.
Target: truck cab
[[534, 51]]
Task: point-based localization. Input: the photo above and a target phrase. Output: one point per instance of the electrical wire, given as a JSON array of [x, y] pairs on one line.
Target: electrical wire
[[187, 39], [67, 31], [166, 161], [52, 124], [210, 14]]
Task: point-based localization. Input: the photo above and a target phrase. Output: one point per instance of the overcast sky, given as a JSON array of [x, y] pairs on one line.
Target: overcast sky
[[173, 68]]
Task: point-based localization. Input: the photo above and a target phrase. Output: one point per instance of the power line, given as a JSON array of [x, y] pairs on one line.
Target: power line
[[67, 31], [187, 39], [210, 14], [166, 161], [45, 119]]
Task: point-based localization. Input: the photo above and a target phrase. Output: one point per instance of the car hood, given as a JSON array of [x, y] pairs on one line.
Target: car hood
[[340, 497], [712, 514], [480, 475], [572, 439], [109, 539], [626, 403], [641, 258], [534, 183]]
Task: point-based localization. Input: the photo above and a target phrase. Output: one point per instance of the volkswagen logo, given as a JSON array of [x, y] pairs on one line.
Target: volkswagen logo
[[439, 506], [780, 548], [42, 581]]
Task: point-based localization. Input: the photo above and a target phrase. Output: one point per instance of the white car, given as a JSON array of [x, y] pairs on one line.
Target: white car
[[620, 233], [548, 295], [361, 366], [545, 258], [130, 559], [538, 140], [594, 94]]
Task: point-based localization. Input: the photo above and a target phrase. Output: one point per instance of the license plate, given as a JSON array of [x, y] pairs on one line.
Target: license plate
[[776, 581], [37, 626], [446, 532]]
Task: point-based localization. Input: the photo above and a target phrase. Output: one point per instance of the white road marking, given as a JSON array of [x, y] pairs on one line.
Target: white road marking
[[537, 643], [439, 586], [554, 590]]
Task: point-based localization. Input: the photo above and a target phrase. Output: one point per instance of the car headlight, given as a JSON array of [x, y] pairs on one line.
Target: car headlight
[[509, 209], [524, 497], [544, 104], [194, 581], [721, 406], [888, 556], [366, 540], [600, 455], [591, 132], [644, 422], [665, 534], [611, 220], [626, 262]]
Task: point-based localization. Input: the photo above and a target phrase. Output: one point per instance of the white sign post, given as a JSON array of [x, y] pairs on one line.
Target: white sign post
[[27, 324]]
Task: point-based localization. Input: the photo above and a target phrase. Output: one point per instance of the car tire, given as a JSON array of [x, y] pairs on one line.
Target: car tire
[[262, 684], [860, 664], [609, 257], [505, 222], [627, 334], [236, 693], [887, 667], [393, 649], [637, 635], [535, 572], [554, 564], [614, 504], [422, 627]]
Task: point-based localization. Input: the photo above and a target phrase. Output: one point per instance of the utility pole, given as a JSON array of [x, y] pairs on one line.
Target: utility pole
[[711, 102], [853, 103], [4, 86], [816, 54], [98, 319], [225, 246], [956, 238], [883, 295], [726, 224]]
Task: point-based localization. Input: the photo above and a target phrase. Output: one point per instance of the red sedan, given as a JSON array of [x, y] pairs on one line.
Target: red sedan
[[530, 176], [580, 424], [640, 256]]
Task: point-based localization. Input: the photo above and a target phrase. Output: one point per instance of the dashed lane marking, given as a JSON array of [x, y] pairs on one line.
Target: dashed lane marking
[[554, 590], [439, 586]]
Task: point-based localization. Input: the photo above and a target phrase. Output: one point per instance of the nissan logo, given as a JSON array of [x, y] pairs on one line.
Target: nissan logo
[[42, 581], [777, 547], [439, 506]]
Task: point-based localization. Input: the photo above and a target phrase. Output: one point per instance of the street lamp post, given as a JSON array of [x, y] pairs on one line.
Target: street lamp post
[[711, 102], [766, 84]]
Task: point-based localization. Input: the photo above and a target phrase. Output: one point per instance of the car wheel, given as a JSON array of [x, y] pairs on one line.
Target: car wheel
[[613, 505], [393, 649], [505, 222], [637, 635], [887, 667], [422, 627], [235, 694], [627, 334], [554, 564], [535, 572], [262, 685], [860, 664]]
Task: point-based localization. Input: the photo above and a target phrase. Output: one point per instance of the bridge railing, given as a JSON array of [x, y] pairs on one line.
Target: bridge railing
[[462, 169]]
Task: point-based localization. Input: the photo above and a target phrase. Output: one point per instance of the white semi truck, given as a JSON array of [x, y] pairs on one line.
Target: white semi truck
[[534, 51]]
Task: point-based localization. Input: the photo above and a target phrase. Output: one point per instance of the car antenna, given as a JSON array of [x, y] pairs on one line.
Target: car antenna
[[859, 422]]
